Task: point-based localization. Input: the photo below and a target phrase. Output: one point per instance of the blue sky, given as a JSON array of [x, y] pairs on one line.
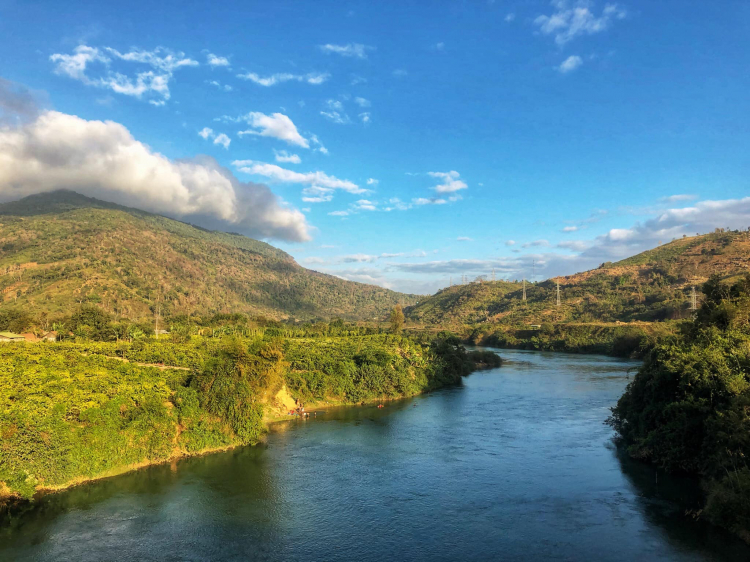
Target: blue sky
[[402, 143]]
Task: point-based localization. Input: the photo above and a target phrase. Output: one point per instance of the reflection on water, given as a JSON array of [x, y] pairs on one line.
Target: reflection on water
[[515, 463]]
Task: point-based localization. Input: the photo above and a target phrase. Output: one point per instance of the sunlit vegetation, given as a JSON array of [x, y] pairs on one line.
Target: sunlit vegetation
[[653, 286], [61, 250], [688, 409], [97, 404]]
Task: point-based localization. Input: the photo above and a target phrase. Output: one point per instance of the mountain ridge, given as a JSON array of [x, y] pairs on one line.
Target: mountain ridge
[[62, 249]]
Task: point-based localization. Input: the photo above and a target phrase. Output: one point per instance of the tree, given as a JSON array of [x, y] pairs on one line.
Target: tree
[[397, 319]]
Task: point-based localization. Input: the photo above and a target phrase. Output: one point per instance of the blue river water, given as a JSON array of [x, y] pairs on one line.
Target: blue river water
[[513, 464]]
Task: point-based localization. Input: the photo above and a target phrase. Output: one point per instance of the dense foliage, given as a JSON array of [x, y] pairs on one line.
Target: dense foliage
[[617, 340], [82, 409], [60, 250], [688, 409]]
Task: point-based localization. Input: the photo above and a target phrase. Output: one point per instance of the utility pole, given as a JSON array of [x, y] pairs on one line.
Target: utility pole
[[524, 289], [558, 293], [156, 320], [450, 282], [694, 303]]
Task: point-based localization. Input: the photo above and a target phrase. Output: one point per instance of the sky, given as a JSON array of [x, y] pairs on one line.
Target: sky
[[410, 144]]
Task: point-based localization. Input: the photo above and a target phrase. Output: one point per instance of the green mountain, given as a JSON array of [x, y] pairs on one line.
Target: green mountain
[[61, 249], [651, 286]]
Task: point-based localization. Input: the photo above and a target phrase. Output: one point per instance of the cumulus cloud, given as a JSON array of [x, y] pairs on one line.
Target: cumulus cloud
[[464, 239], [276, 125], [215, 60], [510, 243], [365, 117], [362, 102], [570, 228], [451, 181], [223, 140], [372, 181], [102, 159], [574, 18], [218, 138], [152, 85], [428, 201], [284, 156], [315, 78], [355, 50], [282, 175], [570, 64]]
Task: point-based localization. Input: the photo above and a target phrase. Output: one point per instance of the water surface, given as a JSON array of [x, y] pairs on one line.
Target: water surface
[[513, 464]]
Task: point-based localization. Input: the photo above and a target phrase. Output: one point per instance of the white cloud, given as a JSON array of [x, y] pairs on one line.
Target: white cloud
[[362, 102], [153, 86], [215, 60], [570, 229], [372, 181], [218, 138], [102, 159], [510, 243], [284, 156], [575, 245], [276, 125], [335, 112], [365, 205], [510, 17], [574, 18], [317, 194], [536, 244], [431, 201], [570, 64], [277, 173], [225, 87], [365, 117], [339, 213], [464, 239], [400, 72], [356, 50], [223, 140], [279, 78], [678, 198], [451, 181]]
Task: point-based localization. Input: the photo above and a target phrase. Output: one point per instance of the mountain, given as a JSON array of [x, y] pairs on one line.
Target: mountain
[[654, 285], [62, 249]]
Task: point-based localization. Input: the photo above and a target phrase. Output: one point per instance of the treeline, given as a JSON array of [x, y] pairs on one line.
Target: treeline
[[85, 409], [688, 409], [618, 341], [90, 322]]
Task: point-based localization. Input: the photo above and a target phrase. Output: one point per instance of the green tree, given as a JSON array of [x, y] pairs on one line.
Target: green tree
[[397, 319]]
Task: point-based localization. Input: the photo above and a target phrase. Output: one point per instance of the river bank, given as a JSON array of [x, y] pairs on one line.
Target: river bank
[[70, 415], [521, 449]]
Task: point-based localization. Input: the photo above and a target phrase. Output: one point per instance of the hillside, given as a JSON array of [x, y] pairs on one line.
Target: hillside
[[61, 249], [651, 286]]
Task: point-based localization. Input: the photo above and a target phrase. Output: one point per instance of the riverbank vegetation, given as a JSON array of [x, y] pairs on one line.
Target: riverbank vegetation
[[83, 409], [688, 408], [629, 340]]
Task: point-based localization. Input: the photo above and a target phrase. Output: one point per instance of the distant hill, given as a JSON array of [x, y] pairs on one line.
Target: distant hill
[[61, 249], [654, 285]]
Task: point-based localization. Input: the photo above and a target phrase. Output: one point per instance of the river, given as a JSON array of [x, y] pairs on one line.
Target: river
[[513, 464]]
